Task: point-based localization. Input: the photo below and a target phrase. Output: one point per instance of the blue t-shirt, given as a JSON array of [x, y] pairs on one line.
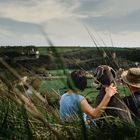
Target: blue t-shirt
[[70, 105]]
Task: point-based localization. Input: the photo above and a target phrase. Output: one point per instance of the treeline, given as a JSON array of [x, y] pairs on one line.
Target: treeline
[[80, 57], [87, 58], [92, 57]]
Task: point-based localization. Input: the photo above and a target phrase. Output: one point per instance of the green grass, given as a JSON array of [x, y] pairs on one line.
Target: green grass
[[45, 50], [60, 85], [23, 124], [20, 120], [59, 72]]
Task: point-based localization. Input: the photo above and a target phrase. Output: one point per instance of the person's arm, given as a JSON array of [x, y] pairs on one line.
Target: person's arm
[[97, 112]]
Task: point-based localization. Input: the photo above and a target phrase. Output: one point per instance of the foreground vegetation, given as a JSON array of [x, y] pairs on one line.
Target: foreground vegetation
[[37, 116], [22, 119]]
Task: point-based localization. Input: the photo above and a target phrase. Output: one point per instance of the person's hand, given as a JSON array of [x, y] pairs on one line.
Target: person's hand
[[111, 90]]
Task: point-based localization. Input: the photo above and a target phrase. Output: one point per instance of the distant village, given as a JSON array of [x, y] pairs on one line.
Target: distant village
[[19, 53]]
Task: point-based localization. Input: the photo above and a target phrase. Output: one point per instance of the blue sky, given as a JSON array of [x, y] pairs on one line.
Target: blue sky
[[22, 22]]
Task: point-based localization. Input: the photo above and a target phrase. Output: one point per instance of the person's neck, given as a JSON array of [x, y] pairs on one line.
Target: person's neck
[[70, 91]]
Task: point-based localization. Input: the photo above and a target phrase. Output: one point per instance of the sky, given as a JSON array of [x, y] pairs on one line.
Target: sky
[[69, 22]]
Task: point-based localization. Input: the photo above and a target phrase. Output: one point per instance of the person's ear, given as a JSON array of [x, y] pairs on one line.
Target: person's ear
[[113, 73], [99, 72]]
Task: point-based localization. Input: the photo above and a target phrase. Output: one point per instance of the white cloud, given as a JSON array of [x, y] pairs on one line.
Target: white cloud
[[37, 11], [127, 39], [123, 39], [24, 40], [107, 8], [5, 32], [118, 7], [66, 30], [76, 35], [62, 21]]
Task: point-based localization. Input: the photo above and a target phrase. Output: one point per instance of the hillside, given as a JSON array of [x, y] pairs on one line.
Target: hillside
[[89, 57], [71, 57]]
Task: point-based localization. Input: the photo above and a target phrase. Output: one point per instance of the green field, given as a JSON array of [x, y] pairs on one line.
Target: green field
[[60, 86], [19, 119], [37, 117], [19, 122]]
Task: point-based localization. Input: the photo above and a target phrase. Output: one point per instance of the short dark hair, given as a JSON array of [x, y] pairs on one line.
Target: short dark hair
[[77, 80]]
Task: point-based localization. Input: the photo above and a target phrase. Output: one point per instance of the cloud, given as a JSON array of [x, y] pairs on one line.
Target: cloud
[[120, 7], [117, 24], [62, 21], [5, 32], [123, 39], [19, 27], [25, 39], [107, 9], [37, 11], [127, 39], [66, 30]]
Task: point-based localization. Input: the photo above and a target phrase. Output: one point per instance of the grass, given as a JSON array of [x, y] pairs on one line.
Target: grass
[[60, 85], [24, 118]]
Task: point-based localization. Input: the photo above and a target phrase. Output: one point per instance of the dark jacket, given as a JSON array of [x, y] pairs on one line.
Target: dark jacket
[[133, 103]]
